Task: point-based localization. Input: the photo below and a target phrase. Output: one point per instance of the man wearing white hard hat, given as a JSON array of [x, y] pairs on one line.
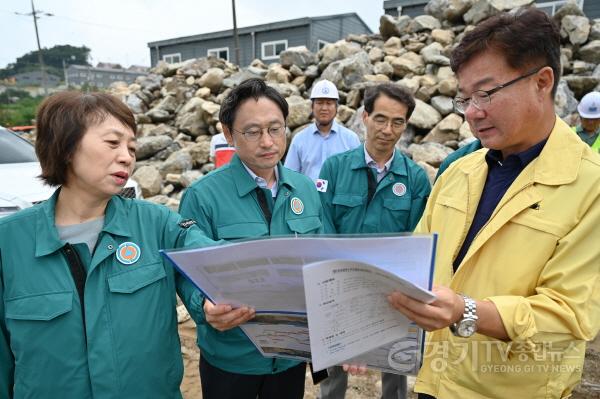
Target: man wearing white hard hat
[[323, 138], [589, 113]]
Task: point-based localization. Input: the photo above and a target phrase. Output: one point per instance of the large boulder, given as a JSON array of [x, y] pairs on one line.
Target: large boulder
[[443, 104], [393, 46], [390, 26], [150, 82], [244, 74], [136, 104], [376, 54], [299, 56], [299, 111], [409, 63], [575, 28], [595, 30], [483, 9], [150, 145], [569, 8], [346, 72], [432, 54], [448, 10], [443, 36], [590, 52], [337, 51], [213, 79], [581, 85], [356, 124], [424, 116], [149, 179], [424, 23], [200, 151], [431, 153], [565, 102], [178, 162], [278, 74]]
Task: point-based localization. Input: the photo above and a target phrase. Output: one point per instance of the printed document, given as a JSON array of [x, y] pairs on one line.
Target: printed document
[[337, 286]]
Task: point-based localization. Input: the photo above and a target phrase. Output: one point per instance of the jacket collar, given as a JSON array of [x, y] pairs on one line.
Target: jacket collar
[[244, 182], [557, 164], [47, 240], [398, 166]]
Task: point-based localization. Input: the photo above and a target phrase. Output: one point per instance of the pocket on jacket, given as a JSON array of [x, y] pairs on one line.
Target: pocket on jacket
[[40, 307], [242, 230], [460, 204], [397, 204], [304, 225], [349, 200], [137, 278]]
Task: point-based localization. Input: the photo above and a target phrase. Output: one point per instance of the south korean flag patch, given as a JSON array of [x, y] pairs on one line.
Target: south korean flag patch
[[321, 185]]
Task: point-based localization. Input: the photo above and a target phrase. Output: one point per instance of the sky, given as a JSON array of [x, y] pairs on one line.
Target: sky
[[118, 30]]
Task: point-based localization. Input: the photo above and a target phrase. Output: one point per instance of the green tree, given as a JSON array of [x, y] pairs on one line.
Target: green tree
[[53, 59]]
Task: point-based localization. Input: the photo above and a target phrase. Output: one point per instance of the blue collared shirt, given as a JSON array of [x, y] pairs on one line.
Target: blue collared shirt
[[309, 149], [501, 174], [381, 172], [262, 183]]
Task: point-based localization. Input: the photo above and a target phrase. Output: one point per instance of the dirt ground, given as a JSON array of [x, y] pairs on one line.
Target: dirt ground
[[363, 387], [369, 386]]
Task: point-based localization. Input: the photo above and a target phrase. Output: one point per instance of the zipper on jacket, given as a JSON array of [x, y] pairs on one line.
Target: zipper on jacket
[[79, 275]]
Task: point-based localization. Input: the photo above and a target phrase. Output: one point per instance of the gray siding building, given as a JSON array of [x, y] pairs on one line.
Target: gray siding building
[[264, 42], [412, 8], [35, 78], [79, 75]]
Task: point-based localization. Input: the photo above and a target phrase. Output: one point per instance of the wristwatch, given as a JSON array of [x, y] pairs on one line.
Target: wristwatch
[[467, 326]]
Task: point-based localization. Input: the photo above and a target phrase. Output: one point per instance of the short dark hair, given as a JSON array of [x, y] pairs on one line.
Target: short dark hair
[[62, 120], [251, 88], [528, 38], [392, 91]]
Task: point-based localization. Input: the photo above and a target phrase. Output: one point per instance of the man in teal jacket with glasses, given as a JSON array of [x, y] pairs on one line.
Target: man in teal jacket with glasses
[[253, 196]]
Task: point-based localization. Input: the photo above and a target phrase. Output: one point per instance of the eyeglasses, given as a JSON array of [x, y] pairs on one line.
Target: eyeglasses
[[254, 133], [381, 122], [481, 98]]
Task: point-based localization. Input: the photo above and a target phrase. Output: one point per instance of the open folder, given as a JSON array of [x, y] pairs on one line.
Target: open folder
[[321, 299]]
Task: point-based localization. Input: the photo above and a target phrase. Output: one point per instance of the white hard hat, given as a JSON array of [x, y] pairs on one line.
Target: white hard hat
[[589, 107], [324, 89]]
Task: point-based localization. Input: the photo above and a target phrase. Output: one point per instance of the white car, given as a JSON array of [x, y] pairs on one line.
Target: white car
[[20, 186]]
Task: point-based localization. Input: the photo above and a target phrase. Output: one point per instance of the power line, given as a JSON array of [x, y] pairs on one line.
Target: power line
[[36, 15], [102, 25]]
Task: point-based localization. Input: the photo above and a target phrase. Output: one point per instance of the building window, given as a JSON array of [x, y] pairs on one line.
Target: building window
[[271, 50], [551, 7], [321, 44], [172, 58], [222, 53]]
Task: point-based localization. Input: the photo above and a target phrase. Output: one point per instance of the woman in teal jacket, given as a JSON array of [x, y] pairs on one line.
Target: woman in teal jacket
[[87, 304]]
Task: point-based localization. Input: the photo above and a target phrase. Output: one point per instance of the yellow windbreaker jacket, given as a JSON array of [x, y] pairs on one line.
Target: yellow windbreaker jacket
[[537, 259]]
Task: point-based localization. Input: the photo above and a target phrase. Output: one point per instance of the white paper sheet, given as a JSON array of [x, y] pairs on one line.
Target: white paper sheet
[[266, 274]]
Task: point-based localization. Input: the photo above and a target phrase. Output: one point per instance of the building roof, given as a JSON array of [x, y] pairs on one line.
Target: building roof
[[96, 69], [254, 28], [395, 3]]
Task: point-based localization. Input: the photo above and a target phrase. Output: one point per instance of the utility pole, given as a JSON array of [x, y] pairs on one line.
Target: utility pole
[[36, 15], [235, 35]]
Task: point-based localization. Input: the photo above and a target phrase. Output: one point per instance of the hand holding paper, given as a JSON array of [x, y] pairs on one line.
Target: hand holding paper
[[223, 317], [445, 310]]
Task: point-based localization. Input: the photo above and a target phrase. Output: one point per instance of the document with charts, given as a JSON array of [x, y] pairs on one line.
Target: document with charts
[[321, 299]]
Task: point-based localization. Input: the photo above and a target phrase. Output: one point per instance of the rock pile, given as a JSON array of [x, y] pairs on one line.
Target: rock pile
[[177, 105]]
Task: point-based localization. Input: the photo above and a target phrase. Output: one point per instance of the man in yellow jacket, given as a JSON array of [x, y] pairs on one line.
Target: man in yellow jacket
[[518, 258]]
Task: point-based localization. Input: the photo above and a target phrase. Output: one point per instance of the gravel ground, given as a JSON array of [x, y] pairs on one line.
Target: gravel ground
[[367, 386]]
